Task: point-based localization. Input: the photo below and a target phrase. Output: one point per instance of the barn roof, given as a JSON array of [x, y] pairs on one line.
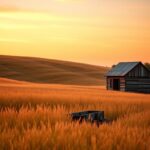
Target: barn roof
[[122, 68]]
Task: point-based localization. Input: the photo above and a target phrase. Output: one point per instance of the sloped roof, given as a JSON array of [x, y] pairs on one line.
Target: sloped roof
[[122, 68]]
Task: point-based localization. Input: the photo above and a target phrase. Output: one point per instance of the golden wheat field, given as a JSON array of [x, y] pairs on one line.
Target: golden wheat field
[[34, 116]]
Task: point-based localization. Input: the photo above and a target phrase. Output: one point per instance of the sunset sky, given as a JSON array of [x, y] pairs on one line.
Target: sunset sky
[[100, 32]]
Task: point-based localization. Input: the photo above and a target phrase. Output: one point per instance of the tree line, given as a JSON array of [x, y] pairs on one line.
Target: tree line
[[147, 65]]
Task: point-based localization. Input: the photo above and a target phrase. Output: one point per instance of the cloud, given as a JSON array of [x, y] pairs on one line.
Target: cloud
[[12, 40], [9, 8]]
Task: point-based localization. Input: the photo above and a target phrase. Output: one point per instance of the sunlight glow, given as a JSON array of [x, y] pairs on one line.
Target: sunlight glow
[[95, 37]]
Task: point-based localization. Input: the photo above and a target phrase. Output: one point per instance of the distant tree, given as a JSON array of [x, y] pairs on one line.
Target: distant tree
[[113, 66], [147, 65]]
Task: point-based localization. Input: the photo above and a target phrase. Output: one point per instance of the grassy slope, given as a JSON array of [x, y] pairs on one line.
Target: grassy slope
[[33, 116], [10, 81], [51, 71]]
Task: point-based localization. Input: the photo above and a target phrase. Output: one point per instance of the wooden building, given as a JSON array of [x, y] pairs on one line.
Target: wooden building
[[129, 76]]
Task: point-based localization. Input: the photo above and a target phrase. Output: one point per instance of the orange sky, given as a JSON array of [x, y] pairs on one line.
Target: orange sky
[[90, 31]]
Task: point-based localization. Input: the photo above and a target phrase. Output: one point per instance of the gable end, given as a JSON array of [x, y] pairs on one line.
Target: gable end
[[139, 71]]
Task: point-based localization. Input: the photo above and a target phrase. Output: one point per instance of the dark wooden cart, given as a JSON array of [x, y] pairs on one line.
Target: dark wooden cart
[[89, 116]]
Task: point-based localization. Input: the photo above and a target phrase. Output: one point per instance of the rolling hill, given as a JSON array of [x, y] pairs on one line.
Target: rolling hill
[[41, 70]]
